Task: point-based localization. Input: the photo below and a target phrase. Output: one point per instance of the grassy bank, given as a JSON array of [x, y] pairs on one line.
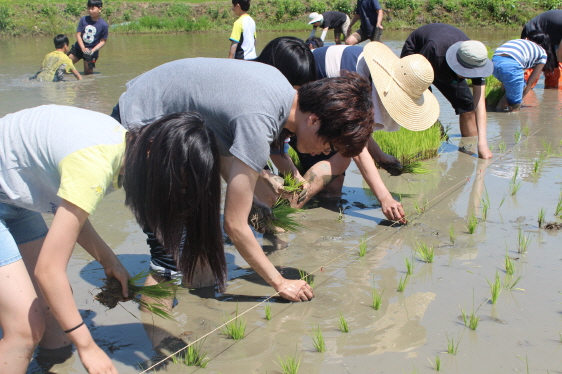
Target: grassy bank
[[50, 17]]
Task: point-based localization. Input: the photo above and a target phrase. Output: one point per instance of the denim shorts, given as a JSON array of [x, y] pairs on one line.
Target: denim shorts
[[508, 71], [18, 226]]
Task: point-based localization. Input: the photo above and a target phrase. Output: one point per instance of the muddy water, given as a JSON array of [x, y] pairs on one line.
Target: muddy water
[[411, 327]]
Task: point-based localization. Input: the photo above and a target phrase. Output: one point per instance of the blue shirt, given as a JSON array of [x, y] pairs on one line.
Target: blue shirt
[[92, 31]]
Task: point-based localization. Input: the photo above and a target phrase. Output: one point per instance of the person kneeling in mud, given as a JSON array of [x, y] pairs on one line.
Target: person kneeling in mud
[[398, 101], [63, 160]]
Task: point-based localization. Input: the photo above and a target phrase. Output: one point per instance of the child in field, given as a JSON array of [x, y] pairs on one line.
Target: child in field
[[91, 35], [513, 58], [63, 160], [57, 63], [243, 37]]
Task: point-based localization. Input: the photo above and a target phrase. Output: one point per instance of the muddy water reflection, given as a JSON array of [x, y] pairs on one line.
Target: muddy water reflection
[[411, 326]]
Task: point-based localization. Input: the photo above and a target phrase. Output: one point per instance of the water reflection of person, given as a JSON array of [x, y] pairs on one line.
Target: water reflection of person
[[63, 160]]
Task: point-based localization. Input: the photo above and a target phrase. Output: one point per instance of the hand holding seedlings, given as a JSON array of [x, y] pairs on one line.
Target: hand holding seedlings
[[293, 290], [393, 210]]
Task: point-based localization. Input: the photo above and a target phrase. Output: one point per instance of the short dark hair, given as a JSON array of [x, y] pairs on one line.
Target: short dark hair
[[244, 4], [60, 41], [543, 40], [96, 3], [345, 109], [315, 41], [173, 187]]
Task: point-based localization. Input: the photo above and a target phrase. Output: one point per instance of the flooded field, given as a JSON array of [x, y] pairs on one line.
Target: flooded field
[[521, 332]]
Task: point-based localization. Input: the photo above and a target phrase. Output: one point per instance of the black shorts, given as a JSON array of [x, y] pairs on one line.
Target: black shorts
[[458, 93], [307, 160], [76, 51]]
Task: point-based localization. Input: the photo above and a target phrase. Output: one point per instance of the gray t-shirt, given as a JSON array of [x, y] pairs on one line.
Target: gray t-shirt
[[246, 104]]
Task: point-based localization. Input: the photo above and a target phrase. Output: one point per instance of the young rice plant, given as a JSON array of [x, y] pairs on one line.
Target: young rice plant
[[342, 323], [495, 288], [425, 252], [234, 329], [318, 339]]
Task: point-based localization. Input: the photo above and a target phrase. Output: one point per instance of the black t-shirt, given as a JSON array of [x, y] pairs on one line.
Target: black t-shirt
[[549, 23], [432, 41], [333, 19]]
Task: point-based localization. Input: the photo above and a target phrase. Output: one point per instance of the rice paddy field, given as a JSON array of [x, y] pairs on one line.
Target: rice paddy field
[[470, 285]]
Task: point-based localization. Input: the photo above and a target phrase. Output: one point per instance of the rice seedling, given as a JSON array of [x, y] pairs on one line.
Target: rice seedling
[[340, 216], [376, 297], [437, 363], [541, 218], [308, 278], [559, 206], [494, 91], [416, 167], [472, 223], [502, 201], [234, 329], [111, 294], [410, 146], [547, 147], [514, 186], [342, 323], [485, 207], [471, 320], [509, 283], [502, 146], [425, 252], [452, 348], [289, 364], [267, 310], [517, 136], [525, 130], [420, 207], [291, 184], [508, 264], [362, 247], [495, 288], [281, 217], [318, 339], [523, 242], [536, 165], [402, 284], [409, 266], [452, 233], [194, 356]]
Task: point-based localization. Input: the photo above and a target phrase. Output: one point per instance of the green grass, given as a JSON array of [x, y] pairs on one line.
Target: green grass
[[289, 364], [376, 297], [523, 241], [402, 284], [425, 252], [411, 146], [514, 186], [541, 218], [267, 310], [194, 356], [409, 266], [508, 264], [362, 247], [308, 278], [452, 348], [452, 233], [342, 323], [234, 329], [472, 223], [318, 339], [495, 288]]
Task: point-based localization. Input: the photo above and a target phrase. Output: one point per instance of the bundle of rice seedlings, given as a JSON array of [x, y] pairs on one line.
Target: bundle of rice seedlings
[[279, 217], [494, 91], [410, 147], [291, 184], [112, 293]]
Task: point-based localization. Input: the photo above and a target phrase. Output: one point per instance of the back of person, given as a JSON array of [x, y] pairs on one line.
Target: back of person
[[549, 22], [245, 29], [525, 52], [333, 19], [55, 65], [332, 60]]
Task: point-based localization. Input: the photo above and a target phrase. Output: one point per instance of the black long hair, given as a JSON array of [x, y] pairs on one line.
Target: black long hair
[[172, 185], [543, 40]]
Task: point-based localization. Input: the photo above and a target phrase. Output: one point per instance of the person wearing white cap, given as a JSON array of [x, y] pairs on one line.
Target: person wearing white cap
[[329, 20], [400, 97], [455, 57]]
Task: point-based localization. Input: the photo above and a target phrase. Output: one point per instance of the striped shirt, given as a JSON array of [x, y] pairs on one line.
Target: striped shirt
[[527, 53]]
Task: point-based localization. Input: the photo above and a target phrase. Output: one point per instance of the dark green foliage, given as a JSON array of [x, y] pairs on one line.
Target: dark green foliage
[[6, 21], [74, 8]]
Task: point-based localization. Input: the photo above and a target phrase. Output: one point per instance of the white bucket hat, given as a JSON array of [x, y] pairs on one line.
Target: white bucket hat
[[403, 86], [469, 59], [314, 17]]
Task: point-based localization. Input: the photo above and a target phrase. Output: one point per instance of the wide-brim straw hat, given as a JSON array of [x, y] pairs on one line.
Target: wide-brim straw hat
[[314, 17], [403, 86], [469, 59]]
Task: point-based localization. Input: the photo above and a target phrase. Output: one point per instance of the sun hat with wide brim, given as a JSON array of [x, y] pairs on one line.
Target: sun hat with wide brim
[[403, 86], [469, 59], [314, 17]]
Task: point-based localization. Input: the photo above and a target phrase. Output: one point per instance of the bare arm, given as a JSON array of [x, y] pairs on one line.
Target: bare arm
[[100, 45], [80, 41], [480, 111], [391, 208], [76, 74], [355, 18], [379, 19], [238, 202], [51, 277], [232, 50], [537, 70], [286, 166], [559, 52]]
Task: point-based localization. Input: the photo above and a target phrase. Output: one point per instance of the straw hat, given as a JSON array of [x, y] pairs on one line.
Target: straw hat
[[469, 59], [314, 17], [402, 85]]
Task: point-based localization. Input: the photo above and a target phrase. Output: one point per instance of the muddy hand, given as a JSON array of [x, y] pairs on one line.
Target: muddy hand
[[295, 290], [393, 168], [115, 269], [393, 210]]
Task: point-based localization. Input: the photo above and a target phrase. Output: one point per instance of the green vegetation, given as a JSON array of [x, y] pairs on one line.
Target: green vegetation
[[523, 242], [291, 184], [409, 147], [193, 356], [452, 233], [281, 213], [234, 329], [308, 278], [409, 266], [472, 223], [472, 320], [508, 264], [494, 91], [514, 186], [502, 146], [318, 339], [437, 363], [402, 284], [541, 219], [452, 348], [558, 211], [509, 283], [362, 247], [267, 310], [289, 365], [376, 297], [425, 252], [517, 136], [495, 288], [342, 323]]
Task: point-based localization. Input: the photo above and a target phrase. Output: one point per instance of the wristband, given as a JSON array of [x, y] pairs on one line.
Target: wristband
[[74, 328]]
